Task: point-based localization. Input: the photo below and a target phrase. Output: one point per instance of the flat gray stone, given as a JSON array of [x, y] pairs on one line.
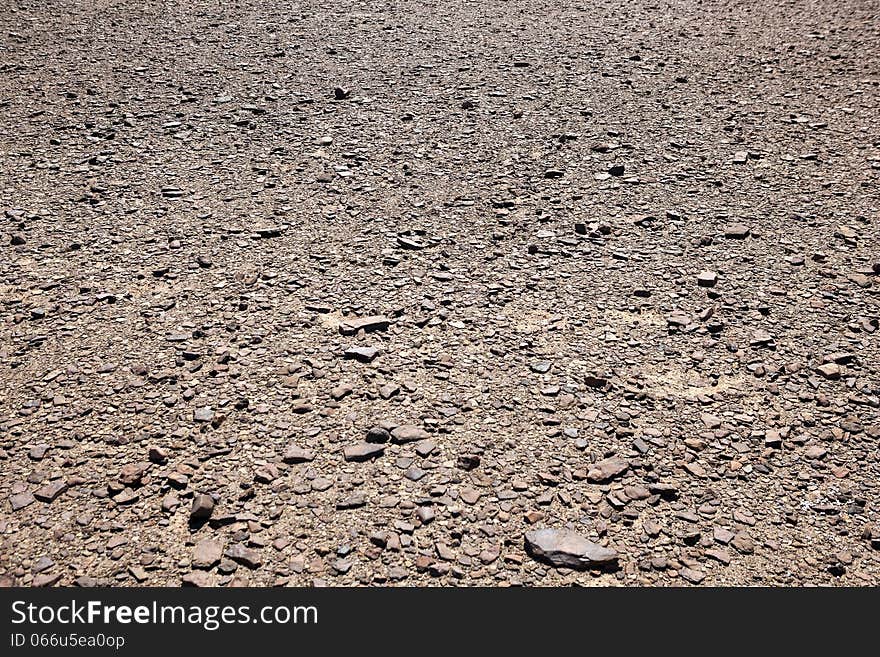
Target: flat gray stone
[[607, 469], [564, 548], [207, 553], [296, 454], [21, 500], [408, 433], [50, 491], [244, 555], [362, 451], [352, 325]]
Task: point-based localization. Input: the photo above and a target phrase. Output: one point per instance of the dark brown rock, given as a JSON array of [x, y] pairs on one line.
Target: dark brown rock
[[202, 507]]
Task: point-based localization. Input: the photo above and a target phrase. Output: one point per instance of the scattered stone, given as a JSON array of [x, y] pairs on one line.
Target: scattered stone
[[244, 555], [691, 575], [51, 491], [829, 371], [202, 507], [158, 455], [607, 469], [341, 391], [707, 279], [351, 325], [43, 563], [131, 474], [21, 500], [46, 579], [362, 451], [203, 414], [351, 502], [563, 548], [207, 553], [296, 454], [408, 433], [378, 435], [197, 578], [736, 231], [362, 354]]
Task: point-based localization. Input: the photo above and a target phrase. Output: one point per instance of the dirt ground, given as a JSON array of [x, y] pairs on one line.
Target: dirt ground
[[431, 293]]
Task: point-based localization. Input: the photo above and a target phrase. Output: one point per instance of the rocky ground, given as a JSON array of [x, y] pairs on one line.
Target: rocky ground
[[439, 293]]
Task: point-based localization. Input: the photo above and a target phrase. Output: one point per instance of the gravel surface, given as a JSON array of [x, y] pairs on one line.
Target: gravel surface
[[439, 293]]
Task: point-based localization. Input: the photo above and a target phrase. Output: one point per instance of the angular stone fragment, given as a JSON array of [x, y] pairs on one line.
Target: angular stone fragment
[[362, 354], [43, 563], [362, 451], [266, 232], [736, 231], [127, 496], [839, 357], [51, 491], [425, 448], [678, 318], [197, 578], [711, 421], [202, 507], [46, 579], [388, 391], [410, 243], [408, 433], [564, 548], [207, 553], [469, 495], [720, 555], [351, 325], [351, 502], [829, 370], [21, 500], [203, 414], [341, 391], [244, 555], [296, 454], [378, 435], [692, 576], [707, 279], [607, 469], [157, 455], [321, 484], [131, 473], [595, 381]]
